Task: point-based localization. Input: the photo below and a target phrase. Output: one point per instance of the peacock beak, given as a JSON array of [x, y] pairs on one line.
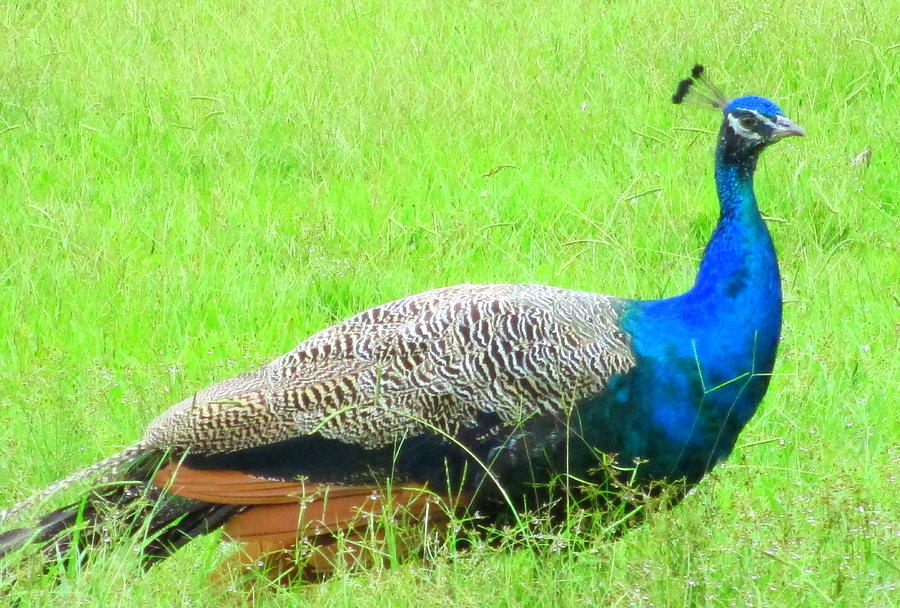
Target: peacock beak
[[784, 127]]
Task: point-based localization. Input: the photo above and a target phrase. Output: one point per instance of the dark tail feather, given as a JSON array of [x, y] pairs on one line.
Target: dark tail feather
[[134, 509]]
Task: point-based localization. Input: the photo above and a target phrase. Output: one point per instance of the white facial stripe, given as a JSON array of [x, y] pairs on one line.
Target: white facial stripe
[[737, 128], [762, 119]]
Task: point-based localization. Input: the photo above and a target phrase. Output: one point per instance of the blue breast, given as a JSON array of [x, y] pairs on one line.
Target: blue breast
[[703, 358]]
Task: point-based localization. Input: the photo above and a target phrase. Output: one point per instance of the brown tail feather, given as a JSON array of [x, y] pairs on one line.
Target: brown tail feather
[[226, 487], [315, 538], [322, 525]]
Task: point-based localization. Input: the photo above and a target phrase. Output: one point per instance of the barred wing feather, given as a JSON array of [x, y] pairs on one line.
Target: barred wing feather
[[431, 361]]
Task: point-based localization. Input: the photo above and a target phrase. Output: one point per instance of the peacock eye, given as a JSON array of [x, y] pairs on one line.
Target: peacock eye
[[748, 121]]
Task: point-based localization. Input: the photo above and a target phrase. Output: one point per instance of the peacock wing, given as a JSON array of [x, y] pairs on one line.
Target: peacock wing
[[432, 363]]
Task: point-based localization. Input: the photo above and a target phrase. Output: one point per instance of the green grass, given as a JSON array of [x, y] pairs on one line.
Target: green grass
[[190, 189]]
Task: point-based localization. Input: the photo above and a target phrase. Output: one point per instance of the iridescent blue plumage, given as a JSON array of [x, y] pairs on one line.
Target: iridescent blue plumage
[[754, 102], [704, 358]]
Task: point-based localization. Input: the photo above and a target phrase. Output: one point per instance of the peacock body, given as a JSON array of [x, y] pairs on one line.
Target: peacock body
[[478, 395]]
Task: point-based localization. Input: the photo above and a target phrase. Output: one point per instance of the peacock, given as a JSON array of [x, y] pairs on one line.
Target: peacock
[[464, 399]]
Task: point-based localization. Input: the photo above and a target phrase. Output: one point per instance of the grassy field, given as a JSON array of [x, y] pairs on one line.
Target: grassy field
[[189, 189]]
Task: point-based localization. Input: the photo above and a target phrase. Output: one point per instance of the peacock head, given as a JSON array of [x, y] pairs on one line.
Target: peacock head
[[750, 123]]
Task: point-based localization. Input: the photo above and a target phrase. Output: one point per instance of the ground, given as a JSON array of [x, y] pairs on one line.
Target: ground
[[189, 189]]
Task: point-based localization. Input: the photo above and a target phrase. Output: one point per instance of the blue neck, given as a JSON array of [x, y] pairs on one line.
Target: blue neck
[[704, 357], [740, 247], [736, 296]]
